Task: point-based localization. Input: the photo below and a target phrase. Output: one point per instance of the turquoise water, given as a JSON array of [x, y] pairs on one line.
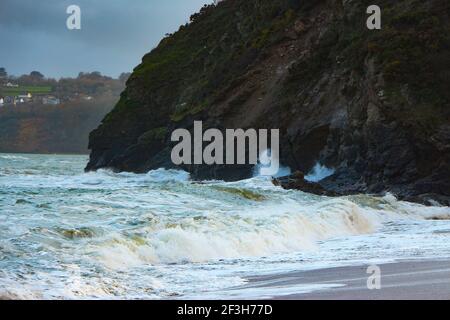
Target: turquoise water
[[66, 234]]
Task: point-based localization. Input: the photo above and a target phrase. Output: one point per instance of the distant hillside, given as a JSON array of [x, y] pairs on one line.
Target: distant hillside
[[65, 89], [79, 106]]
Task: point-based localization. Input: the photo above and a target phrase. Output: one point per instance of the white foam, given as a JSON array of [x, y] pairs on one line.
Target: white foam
[[12, 157]]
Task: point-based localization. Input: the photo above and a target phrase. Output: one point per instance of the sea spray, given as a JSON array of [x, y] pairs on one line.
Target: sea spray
[[318, 173]]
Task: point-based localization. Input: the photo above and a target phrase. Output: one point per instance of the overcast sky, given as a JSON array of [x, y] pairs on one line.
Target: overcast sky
[[114, 34]]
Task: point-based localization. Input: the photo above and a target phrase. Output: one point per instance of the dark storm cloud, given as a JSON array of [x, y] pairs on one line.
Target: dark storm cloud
[[115, 34]]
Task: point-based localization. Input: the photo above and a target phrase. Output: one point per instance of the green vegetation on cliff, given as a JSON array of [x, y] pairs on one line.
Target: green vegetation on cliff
[[204, 59]]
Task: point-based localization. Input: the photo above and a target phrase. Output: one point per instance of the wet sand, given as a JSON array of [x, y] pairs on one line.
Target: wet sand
[[405, 280]]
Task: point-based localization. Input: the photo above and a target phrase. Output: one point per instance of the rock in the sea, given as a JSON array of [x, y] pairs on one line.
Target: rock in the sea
[[297, 181]]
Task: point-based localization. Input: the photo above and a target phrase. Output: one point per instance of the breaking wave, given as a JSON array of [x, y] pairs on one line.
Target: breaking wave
[[160, 234]]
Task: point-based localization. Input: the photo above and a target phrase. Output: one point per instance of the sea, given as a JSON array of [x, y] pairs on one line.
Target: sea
[[67, 234]]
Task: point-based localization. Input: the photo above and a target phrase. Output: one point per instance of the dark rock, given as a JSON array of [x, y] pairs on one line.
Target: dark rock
[[297, 182]]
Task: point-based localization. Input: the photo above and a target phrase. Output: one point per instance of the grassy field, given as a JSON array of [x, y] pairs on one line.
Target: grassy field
[[7, 91]]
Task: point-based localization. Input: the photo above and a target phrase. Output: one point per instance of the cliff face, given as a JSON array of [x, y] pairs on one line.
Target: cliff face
[[374, 105]]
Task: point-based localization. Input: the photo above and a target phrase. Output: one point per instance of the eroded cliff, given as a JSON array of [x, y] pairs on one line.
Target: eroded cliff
[[373, 104]]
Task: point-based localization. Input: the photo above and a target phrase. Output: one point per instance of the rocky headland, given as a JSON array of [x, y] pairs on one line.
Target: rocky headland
[[372, 104]]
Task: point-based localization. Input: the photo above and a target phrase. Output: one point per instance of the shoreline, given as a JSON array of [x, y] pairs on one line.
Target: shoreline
[[422, 279]]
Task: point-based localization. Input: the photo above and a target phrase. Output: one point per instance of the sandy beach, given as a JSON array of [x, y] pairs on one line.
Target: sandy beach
[[404, 280]]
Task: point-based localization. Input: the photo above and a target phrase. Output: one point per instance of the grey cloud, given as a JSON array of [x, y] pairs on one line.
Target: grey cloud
[[115, 34]]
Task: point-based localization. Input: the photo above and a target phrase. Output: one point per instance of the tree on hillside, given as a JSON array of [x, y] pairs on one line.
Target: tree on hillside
[[95, 75], [36, 75]]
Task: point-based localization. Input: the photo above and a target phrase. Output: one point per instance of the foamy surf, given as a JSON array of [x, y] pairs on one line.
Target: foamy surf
[[260, 231], [73, 235]]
